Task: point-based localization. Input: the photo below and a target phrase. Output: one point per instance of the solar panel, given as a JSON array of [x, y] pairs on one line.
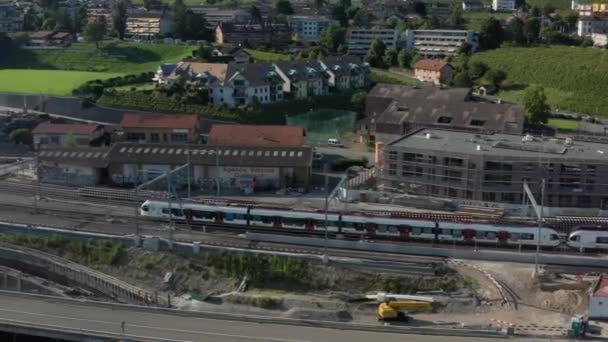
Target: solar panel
[[284, 154], [146, 150], [170, 151], [138, 150], [267, 153], [300, 154], [130, 149], [291, 153], [276, 153], [530, 148], [122, 150], [235, 153], [179, 150], [80, 154], [162, 150], [42, 154], [251, 153], [65, 154], [154, 150]]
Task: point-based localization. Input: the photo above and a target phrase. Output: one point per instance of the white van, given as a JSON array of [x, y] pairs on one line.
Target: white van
[[334, 143]]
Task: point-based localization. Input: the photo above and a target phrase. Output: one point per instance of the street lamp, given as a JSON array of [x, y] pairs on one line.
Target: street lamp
[[540, 224]]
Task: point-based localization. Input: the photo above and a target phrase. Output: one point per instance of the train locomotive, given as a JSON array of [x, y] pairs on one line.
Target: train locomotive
[[350, 225]]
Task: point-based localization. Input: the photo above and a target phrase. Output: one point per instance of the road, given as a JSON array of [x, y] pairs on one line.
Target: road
[[155, 326]]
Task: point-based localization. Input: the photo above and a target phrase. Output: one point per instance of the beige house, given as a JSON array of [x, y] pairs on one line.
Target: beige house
[[159, 128], [437, 72]]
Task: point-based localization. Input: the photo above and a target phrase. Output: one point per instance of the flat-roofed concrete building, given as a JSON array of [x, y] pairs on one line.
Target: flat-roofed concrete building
[[360, 39], [440, 42], [494, 167]]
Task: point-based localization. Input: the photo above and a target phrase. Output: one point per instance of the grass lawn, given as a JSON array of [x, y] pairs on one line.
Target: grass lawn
[[264, 57], [575, 78], [563, 124], [52, 82], [382, 77], [111, 57]]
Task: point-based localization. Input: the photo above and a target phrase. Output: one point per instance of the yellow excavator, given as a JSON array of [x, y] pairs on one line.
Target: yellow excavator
[[390, 311]]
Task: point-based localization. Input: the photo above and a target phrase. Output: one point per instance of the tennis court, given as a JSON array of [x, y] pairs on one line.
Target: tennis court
[[323, 124]]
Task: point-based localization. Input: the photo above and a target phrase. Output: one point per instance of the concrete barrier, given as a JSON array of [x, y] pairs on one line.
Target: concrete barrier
[[487, 255]]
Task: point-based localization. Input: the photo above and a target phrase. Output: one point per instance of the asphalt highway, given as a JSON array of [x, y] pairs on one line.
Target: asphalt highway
[[161, 326]]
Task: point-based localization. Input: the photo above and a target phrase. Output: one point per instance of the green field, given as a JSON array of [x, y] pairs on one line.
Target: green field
[[378, 76], [575, 78], [266, 57], [117, 57], [563, 124], [52, 82]]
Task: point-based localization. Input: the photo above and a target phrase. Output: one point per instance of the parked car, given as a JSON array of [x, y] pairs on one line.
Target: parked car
[[334, 142]]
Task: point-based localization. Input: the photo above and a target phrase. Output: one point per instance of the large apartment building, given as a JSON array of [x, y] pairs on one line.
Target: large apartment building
[[10, 18], [586, 8], [253, 35], [148, 25], [360, 39], [440, 42], [494, 167], [503, 5], [308, 28], [589, 25]]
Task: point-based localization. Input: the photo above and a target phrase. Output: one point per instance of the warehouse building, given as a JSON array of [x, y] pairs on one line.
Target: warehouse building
[[494, 167]]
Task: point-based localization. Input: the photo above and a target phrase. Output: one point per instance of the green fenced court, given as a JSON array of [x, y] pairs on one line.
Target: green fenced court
[[323, 124]]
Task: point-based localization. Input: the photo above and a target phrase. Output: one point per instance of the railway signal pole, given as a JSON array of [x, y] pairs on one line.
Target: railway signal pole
[[540, 224]]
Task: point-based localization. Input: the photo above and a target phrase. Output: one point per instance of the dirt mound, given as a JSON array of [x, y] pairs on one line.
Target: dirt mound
[[565, 301], [319, 315]]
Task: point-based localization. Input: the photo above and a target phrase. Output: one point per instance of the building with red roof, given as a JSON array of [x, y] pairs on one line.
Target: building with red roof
[[159, 128], [257, 135], [47, 133], [435, 71]]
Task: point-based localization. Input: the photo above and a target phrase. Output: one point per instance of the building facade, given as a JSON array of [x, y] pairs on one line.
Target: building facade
[[432, 43], [472, 5], [589, 25], [303, 79], [586, 8], [159, 128], [360, 39], [308, 28], [494, 168], [436, 72], [346, 72], [503, 5], [11, 19], [148, 25], [253, 35], [49, 39], [50, 134]]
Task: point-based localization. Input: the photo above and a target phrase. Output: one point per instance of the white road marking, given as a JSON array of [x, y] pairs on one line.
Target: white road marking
[[156, 328]]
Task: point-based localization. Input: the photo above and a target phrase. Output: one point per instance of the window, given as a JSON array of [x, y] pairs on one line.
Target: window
[[392, 155], [221, 91], [154, 137], [478, 123], [602, 239], [136, 136], [444, 120]]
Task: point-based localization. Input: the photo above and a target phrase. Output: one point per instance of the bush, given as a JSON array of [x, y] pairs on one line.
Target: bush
[[344, 163]]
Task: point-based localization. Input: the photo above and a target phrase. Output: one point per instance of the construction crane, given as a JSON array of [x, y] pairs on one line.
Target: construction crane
[[397, 310]]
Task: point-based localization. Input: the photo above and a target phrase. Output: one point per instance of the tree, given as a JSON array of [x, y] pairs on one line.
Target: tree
[[204, 52], [283, 7], [535, 11], [358, 100], [376, 53], [180, 24], [432, 23], [491, 33], [153, 5], [95, 32], [119, 17], [516, 31], [495, 77], [404, 58], [21, 136], [420, 8], [477, 70], [572, 19], [390, 57], [532, 29], [352, 11], [535, 101], [318, 3], [332, 37], [339, 13], [256, 15], [456, 20], [462, 79]]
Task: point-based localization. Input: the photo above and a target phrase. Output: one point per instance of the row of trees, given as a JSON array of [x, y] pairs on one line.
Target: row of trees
[[380, 57]]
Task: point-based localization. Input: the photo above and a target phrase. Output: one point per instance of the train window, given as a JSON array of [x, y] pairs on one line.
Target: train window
[[359, 226], [602, 239], [165, 210], [266, 219], [229, 217], [177, 212], [480, 234], [144, 208], [527, 236], [554, 237], [347, 224], [383, 228], [446, 232], [575, 238], [416, 231], [256, 218], [456, 232], [293, 221], [427, 230], [491, 235], [515, 236]]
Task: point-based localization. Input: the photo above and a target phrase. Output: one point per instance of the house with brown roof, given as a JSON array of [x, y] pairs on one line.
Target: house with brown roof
[[49, 134], [434, 71], [396, 110], [49, 39], [256, 135], [159, 128]]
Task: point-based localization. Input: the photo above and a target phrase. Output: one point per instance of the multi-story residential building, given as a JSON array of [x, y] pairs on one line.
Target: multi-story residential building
[[308, 28], [435, 71], [10, 18], [345, 73], [360, 39], [440, 42], [495, 167], [394, 110], [200, 74], [148, 25], [472, 5], [159, 128], [586, 8], [303, 79], [246, 84], [47, 134], [95, 15], [503, 5], [215, 15], [254, 35], [589, 25], [49, 39]]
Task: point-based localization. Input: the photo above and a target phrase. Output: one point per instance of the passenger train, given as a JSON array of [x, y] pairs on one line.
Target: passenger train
[[351, 225]]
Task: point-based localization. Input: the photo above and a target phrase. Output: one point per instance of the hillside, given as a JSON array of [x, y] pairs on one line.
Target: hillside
[[116, 58], [575, 78]]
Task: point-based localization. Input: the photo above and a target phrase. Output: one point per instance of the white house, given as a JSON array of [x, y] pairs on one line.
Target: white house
[[308, 28], [303, 79], [345, 73], [248, 83], [503, 5], [589, 25], [472, 5]]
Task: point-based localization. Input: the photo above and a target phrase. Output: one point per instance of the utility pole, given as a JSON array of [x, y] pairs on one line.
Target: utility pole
[[188, 170], [38, 186], [136, 204], [169, 199], [217, 169], [326, 210], [540, 224]]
